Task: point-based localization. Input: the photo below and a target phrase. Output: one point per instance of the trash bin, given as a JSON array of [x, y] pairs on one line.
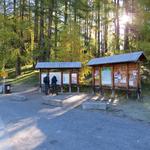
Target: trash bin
[[7, 88], [1, 89]]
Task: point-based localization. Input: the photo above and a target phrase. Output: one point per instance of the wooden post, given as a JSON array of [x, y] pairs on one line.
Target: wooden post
[[70, 81], [127, 86], [62, 81], [40, 78], [100, 81], [78, 84], [113, 84], [93, 81], [138, 82]]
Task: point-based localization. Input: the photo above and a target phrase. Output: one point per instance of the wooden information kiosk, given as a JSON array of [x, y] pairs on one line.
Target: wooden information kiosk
[[67, 73], [118, 72]]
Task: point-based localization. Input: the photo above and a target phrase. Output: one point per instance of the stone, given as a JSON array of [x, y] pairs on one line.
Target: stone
[[58, 103], [95, 105], [18, 98], [53, 101]]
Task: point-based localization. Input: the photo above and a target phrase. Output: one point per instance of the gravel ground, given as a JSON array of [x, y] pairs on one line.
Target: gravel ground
[[31, 125]]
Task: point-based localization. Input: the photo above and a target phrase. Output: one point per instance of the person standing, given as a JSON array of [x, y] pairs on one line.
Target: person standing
[[54, 84], [46, 82]]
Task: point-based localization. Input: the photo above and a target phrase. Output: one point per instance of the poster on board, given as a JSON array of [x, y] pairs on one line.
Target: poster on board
[[42, 77], [74, 78], [120, 75], [65, 78], [106, 76], [133, 77], [58, 76], [96, 76]]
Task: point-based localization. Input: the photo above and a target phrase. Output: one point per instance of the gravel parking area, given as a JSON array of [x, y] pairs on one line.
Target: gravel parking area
[[32, 125]]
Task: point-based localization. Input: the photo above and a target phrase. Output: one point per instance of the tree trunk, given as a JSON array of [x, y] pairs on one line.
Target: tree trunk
[[18, 61], [66, 11], [126, 31], [105, 26], [126, 38], [98, 33], [36, 25], [56, 31], [50, 18], [117, 26], [4, 7], [41, 38]]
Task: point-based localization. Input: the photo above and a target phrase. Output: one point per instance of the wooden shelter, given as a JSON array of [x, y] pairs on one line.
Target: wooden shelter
[[67, 73], [117, 72]]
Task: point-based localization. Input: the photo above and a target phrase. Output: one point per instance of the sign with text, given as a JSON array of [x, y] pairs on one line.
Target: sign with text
[[133, 75], [4, 74], [96, 76], [120, 75], [43, 75], [106, 76], [65, 78], [74, 78]]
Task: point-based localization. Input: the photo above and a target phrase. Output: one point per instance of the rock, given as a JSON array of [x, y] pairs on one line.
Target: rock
[[95, 105], [57, 103], [53, 101], [18, 98]]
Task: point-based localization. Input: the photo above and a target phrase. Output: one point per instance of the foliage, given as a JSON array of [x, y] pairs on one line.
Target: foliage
[[71, 30]]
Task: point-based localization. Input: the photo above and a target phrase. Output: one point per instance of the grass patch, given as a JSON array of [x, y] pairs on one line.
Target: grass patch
[[28, 76]]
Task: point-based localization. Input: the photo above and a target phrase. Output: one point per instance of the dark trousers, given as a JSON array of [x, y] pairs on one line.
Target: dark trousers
[[46, 89], [54, 89]]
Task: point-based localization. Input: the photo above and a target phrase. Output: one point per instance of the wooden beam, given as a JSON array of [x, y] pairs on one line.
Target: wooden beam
[[78, 82], [100, 81], [113, 82], [61, 81], [70, 81], [93, 78], [100, 78], [138, 82], [40, 78], [112, 75], [139, 75], [127, 80]]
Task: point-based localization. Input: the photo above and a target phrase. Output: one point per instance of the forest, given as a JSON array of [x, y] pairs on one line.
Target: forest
[[71, 30]]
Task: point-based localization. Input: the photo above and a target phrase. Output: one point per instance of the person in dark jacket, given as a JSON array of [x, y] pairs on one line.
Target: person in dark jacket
[[54, 84], [46, 82]]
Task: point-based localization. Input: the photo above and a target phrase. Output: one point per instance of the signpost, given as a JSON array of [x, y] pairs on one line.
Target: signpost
[[118, 72], [4, 75], [67, 74]]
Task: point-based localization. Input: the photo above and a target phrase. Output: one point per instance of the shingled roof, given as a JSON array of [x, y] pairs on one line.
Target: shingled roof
[[58, 65], [121, 58]]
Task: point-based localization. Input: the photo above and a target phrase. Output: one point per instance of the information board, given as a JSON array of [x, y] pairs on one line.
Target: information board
[[133, 75], [97, 76], [58, 76], [120, 75], [74, 78], [106, 76], [65, 78], [42, 77]]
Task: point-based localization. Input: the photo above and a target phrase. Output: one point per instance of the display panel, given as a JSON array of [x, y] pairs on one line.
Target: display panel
[[120, 75], [97, 76], [58, 76], [74, 78], [106, 76], [42, 77], [133, 75], [65, 78]]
